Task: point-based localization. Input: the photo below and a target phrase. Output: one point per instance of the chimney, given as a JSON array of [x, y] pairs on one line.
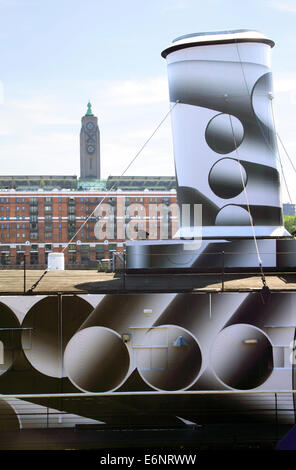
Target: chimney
[[223, 133]]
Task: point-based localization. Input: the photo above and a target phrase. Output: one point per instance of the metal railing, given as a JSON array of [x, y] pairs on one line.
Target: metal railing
[[275, 408], [217, 273]]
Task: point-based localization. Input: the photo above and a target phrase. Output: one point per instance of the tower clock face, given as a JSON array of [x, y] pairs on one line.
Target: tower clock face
[[90, 149], [90, 126]]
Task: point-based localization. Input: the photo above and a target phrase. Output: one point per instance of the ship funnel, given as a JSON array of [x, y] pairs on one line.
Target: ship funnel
[[223, 132]]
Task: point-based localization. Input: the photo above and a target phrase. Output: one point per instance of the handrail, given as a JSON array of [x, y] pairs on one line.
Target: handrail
[[145, 393]]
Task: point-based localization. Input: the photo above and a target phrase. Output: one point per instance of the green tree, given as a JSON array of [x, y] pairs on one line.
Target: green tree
[[290, 223]]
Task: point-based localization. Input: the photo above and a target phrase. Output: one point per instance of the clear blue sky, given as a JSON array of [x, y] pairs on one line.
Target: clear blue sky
[[57, 54]]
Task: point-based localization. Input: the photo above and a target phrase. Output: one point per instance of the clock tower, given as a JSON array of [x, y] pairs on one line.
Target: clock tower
[[90, 146]]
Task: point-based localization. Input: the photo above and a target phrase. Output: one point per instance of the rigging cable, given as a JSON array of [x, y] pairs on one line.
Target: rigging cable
[[128, 166], [242, 178], [248, 205], [102, 200], [290, 160], [278, 150]]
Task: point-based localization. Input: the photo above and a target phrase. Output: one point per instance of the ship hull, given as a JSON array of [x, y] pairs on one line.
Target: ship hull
[[161, 358]]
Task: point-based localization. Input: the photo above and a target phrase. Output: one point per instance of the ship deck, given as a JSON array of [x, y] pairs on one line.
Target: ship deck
[[91, 281]]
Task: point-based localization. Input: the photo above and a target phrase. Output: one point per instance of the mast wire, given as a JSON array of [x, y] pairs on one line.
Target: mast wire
[[110, 190], [278, 151], [128, 166], [242, 177]]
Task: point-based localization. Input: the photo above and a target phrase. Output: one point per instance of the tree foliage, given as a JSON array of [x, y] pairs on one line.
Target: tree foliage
[[290, 223]]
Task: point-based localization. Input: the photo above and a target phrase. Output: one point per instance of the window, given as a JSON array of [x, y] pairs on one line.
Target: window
[[33, 258], [5, 258], [17, 208], [71, 258], [84, 254], [59, 199], [20, 258], [99, 251]]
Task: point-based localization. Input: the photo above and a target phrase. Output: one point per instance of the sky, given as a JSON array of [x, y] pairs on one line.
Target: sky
[[55, 55]]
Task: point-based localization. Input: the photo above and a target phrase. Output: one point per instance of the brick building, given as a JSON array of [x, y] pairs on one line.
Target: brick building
[[35, 223], [42, 213]]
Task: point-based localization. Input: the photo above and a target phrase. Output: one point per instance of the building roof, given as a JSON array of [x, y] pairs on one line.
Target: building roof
[[33, 182], [161, 183]]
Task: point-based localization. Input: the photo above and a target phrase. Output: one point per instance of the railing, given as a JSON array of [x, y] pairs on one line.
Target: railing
[[220, 264], [216, 274], [272, 408]]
